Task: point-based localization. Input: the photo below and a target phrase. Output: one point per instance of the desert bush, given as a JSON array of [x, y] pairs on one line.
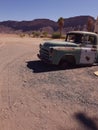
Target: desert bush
[[56, 35], [22, 35], [36, 34], [45, 34], [63, 36]]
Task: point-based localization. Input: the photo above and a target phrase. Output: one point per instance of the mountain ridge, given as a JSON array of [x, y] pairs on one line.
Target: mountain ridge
[[39, 24]]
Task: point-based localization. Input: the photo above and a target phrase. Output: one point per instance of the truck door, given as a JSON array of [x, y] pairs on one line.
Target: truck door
[[87, 55]]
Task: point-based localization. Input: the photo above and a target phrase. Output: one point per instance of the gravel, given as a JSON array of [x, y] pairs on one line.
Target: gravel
[[35, 95]]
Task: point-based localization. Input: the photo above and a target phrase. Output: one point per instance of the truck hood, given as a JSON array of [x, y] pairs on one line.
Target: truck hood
[[57, 43]]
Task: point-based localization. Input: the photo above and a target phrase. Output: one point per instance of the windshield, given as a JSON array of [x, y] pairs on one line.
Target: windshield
[[81, 38]]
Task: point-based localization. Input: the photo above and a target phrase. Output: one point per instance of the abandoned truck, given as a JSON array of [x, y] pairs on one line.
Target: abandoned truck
[[79, 48]]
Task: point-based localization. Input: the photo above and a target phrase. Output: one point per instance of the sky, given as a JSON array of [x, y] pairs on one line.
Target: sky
[[20, 10]]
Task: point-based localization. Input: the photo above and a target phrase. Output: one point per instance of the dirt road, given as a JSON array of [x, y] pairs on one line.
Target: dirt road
[[34, 96]]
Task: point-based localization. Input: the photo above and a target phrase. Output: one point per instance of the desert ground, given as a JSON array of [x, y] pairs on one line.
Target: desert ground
[[35, 96]]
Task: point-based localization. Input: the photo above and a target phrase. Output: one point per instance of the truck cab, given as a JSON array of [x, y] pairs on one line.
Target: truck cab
[[79, 47]]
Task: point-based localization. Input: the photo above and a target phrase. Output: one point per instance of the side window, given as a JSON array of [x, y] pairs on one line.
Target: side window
[[89, 39]]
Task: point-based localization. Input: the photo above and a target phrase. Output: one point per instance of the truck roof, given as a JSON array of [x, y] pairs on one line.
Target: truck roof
[[83, 32]]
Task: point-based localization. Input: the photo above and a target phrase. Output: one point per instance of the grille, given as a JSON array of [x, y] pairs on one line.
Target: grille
[[44, 54]]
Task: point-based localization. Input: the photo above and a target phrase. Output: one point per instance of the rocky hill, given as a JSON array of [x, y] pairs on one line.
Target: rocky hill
[[40, 24]]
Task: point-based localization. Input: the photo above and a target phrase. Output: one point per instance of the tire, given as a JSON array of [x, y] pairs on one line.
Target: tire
[[67, 62], [64, 64]]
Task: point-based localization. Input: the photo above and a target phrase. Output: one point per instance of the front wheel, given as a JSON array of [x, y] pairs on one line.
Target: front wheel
[[64, 64]]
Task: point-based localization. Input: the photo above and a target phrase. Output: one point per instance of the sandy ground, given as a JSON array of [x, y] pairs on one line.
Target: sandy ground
[[34, 96]]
